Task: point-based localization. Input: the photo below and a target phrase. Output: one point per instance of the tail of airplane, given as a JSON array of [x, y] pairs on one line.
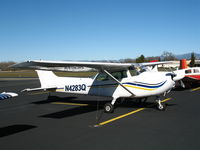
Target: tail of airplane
[[47, 78], [50, 82], [183, 64]]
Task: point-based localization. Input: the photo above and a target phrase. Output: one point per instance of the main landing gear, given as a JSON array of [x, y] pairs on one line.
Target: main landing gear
[[109, 107]]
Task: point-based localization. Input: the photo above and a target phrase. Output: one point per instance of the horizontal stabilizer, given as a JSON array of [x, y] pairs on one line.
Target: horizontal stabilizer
[[6, 95], [39, 89]]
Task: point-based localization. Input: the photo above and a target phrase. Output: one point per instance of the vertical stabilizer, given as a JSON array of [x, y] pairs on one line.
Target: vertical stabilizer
[[47, 78], [183, 64]]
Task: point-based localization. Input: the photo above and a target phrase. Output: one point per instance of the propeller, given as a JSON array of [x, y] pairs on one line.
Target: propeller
[[182, 83], [180, 74]]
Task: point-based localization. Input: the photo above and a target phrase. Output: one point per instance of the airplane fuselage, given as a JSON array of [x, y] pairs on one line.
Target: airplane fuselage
[[191, 76], [143, 85]]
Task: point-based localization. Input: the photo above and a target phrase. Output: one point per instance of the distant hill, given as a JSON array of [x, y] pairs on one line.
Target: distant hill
[[187, 56]]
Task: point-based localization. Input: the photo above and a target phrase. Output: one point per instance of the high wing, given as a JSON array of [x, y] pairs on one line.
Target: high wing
[[155, 63], [51, 65], [152, 66], [100, 66]]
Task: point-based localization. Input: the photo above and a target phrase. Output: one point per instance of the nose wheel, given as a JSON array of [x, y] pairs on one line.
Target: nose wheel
[[160, 106]]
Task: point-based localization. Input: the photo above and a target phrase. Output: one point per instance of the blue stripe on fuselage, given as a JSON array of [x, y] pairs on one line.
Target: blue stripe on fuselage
[[146, 84]]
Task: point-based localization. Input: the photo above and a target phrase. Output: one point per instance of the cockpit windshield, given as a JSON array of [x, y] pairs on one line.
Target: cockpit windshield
[[134, 71]]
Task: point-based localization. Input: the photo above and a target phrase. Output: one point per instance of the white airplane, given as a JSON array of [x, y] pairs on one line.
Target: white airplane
[[7, 95], [116, 80]]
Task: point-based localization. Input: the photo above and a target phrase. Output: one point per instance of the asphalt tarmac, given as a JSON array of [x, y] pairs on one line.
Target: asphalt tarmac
[[59, 121]]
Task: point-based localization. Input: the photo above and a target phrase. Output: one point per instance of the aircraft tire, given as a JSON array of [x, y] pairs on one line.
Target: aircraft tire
[[108, 108], [162, 107]]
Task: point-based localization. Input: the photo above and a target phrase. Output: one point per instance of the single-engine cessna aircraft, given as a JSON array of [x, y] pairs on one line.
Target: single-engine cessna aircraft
[[116, 80], [6, 95]]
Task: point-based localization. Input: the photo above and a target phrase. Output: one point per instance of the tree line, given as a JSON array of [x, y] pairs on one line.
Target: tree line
[[166, 56], [4, 66]]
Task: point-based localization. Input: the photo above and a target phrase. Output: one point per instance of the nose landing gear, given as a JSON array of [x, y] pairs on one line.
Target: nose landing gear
[[159, 105]]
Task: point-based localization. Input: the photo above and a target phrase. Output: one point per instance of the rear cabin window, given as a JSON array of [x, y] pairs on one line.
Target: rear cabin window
[[188, 71], [196, 70]]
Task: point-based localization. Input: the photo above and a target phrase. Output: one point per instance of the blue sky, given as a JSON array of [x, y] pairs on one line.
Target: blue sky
[[97, 29]]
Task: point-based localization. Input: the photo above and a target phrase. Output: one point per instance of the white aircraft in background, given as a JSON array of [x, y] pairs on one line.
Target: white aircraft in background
[[116, 80], [7, 95]]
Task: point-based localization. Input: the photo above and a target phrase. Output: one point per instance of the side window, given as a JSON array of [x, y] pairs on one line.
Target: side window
[[118, 75], [124, 74], [102, 77], [196, 71], [188, 71], [134, 72]]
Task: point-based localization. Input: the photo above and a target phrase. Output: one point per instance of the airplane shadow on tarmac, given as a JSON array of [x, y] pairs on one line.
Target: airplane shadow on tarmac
[[52, 99], [14, 129], [91, 106]]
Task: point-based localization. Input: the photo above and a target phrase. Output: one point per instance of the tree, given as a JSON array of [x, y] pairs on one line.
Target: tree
[[192, 62], [167, 56], [4, 65], [140, 59]]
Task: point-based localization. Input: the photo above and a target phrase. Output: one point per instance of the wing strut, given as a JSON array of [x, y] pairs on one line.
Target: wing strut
[[110, 75]]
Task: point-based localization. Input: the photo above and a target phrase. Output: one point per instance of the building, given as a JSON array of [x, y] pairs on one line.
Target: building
[[176, 64]]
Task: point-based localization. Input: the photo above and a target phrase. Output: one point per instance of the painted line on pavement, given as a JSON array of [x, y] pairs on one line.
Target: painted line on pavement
[[125, 115], [73, 104], [195, 89]]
